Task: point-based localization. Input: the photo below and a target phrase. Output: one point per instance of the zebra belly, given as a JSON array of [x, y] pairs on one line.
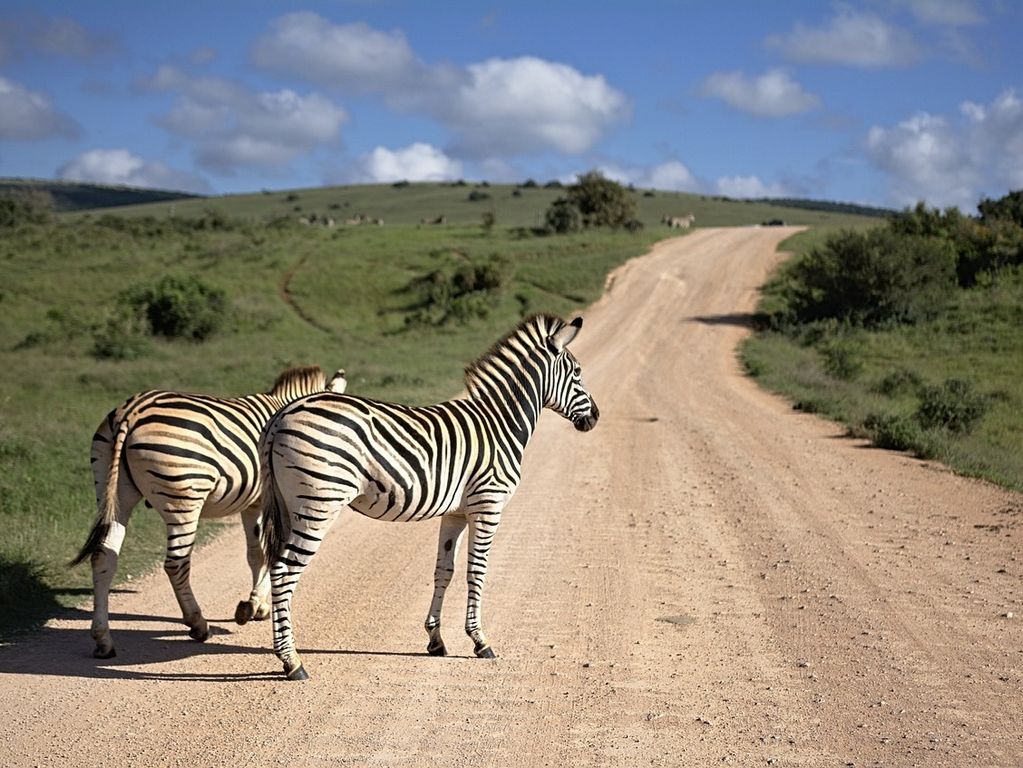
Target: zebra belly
[[382, 503]]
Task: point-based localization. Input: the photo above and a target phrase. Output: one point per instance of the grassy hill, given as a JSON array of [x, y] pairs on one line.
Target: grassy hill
[[382, 302], [75, 196], [463, 204]]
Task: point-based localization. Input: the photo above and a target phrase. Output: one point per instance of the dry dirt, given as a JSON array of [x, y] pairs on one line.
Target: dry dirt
[[708, 577]]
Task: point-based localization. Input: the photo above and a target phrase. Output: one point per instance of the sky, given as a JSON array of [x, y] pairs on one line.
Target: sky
[[878, 102]]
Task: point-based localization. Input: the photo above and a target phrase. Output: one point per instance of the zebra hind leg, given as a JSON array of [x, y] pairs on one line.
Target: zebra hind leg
[[296, 552], [104, 567], [452, 527], [257, 606], [181, 528]]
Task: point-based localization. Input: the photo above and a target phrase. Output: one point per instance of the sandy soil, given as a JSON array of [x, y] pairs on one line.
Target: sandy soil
[[707, 577]]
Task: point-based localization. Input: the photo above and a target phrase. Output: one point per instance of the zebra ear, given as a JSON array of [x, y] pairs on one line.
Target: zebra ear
[[563, 337]]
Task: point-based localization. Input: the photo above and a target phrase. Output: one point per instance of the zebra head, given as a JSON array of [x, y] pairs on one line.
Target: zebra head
[[566, 394]]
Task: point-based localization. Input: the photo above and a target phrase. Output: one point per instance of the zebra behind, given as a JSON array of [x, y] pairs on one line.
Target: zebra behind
[[460, 459], [187, 456]]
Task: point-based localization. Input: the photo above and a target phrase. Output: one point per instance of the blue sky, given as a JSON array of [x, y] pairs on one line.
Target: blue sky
[[882, 102]]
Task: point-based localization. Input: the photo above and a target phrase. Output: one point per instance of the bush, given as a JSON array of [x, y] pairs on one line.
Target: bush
[[563, 217], [954, 406], [601, 201], [896, 433], [463, 294], [178, 307], [475, 196], [27, 206], [899, 382], [872, 278], [841, 361]]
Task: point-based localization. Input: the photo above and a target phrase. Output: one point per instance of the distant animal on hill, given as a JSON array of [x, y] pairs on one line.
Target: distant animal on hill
[[679, 222]]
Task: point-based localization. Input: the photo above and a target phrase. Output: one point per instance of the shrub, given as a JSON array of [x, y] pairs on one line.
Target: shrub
[[475, 196], [841, 361], [460, 295], [563, 216], [178, 307], [897, 433], [601, 201], [899, 382], [872, 278], [27, 206], [954, 406]]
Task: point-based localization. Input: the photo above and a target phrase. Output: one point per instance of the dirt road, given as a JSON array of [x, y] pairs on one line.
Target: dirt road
[[706, 578]]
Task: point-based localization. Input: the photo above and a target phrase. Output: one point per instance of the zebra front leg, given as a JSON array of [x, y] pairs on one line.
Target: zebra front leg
[[181, 527], [452, 526], [483, 528], [258, 605]]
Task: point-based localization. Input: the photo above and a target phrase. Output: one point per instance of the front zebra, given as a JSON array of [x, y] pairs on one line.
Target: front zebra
[[186, 455], [461, 459]]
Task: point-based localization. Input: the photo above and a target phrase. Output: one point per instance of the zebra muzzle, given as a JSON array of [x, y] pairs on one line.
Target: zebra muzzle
[[589, 421]]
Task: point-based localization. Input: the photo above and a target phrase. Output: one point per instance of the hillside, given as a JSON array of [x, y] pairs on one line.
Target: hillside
[[76, 196], [464, 204]]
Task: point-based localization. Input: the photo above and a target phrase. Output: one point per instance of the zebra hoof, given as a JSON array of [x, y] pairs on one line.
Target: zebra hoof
[[437, 650], [244, 613], [104, 653], [298, 673], [486, 652], [199, 633]]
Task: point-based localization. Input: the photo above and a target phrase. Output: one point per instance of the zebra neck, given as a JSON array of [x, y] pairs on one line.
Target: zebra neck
[[511, 404]]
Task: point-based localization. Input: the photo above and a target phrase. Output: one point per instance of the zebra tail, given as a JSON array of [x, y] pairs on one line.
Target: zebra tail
[[108, 506], [274, 524]]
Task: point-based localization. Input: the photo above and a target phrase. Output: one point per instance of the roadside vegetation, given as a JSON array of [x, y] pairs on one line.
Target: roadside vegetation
[[910, 333]]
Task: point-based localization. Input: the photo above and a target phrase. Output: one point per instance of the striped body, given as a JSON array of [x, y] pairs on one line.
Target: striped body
[[188, 456], [460, 459]]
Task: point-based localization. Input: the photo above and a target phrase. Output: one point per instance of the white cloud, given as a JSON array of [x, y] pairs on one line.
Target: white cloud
[[306, 45], [121, 167], [671, 175], [494, 108], [952, 13], [772, 94], [416, 162], [851, 38], [234, 127], [749, 187], [528, 105], [28, 116], [953, 161]]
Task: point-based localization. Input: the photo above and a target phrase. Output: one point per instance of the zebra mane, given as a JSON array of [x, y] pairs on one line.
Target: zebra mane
[[311, 376], [534, 330]]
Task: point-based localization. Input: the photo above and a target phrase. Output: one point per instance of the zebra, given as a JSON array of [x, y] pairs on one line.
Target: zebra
[[460, 459], [187, 456]]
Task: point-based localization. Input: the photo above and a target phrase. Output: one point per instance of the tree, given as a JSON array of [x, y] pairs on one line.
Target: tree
[[601, 201]]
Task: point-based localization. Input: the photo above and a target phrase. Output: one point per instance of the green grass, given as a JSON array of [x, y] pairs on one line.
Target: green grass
[[62, 281], [858, 376]]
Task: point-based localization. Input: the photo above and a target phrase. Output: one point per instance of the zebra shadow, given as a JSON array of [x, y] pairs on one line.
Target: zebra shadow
[[739, 319], [67, 652]]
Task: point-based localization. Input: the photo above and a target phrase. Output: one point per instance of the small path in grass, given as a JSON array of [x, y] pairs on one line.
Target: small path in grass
[[284, 291]]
